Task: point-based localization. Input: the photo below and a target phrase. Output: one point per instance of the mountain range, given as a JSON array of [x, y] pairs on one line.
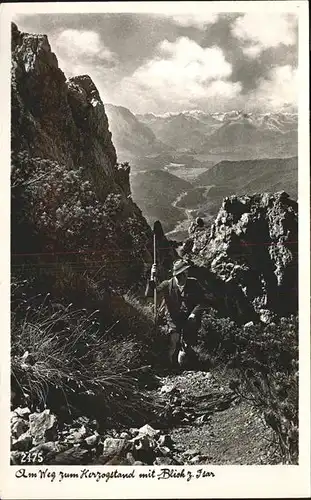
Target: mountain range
[[131, 136], [184, 164], [227, 132], [251, 176], [179, 131], [232, 135], [246, 177]]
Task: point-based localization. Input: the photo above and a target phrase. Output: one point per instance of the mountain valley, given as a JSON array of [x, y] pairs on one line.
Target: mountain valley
[[218, 154]]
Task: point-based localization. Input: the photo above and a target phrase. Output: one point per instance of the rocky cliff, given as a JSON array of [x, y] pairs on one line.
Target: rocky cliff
[[131, 137], [253, 247], [72, 210]]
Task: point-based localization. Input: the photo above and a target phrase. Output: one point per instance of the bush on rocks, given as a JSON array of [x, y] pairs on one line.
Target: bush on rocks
[[264, 361]]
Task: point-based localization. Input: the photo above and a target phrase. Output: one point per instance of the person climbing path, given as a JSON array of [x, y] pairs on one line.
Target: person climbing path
[[182, 302]]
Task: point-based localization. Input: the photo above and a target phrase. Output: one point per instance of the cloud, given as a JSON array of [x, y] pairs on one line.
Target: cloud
[[72, 43], [244, 61], [181, 74], [260, 31], [182, 64], [252, 51], [83, 52], [279, 90], [198, 20]]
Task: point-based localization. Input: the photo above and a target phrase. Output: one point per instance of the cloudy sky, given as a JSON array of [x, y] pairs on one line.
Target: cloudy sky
[[159, 63]]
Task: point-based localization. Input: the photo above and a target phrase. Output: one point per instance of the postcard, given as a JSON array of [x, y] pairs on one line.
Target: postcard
[[155, 275]]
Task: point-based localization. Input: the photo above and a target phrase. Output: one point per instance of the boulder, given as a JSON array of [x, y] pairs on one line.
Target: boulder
[[249, 324], [49, 447], [130, 458], [119, 460], [125, 435], [22, 412], [114, 446], [114, 433], [149, 431], [195, 460], [266, 316], [114, 451], [45, 452], [134, 431], [23, 443], [18, 427], [92, 441], [16, 457], [77, 435], [41, 425]]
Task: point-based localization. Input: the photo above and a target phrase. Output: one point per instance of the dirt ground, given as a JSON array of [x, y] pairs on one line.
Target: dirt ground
[[214, 427]]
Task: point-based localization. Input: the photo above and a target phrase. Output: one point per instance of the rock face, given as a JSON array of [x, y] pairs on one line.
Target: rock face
[[52, 118], [69, 196], [130, 136], [253, 245]]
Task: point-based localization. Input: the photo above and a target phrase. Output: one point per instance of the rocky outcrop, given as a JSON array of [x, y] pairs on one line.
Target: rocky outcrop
[[253, 247], [71, 200]]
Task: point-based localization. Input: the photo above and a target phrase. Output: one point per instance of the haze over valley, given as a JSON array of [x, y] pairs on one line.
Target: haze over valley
[[184, 164]]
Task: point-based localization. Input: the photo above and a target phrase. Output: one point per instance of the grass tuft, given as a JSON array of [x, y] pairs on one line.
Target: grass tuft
[[61, 359]]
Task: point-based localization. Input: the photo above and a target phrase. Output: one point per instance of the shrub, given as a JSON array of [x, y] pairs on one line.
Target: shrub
[[218, 336], [59, 214], [264, 360]]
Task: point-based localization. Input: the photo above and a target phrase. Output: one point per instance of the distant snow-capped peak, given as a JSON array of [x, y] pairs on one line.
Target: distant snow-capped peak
[[223, 116]]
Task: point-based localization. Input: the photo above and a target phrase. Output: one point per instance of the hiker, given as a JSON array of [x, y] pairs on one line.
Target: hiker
[[196, 225], [183, 302]]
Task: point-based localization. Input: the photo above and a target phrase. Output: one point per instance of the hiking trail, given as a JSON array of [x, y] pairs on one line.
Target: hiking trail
[[209, 424]]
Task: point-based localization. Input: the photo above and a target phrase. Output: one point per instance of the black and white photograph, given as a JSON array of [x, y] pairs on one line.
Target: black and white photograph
[[155, 294]]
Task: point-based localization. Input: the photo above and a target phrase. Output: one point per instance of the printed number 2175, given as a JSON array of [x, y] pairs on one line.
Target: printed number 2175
[[32, 458]]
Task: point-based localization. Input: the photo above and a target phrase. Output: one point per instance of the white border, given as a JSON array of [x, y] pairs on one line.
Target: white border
[[157, 7], [230, 481]]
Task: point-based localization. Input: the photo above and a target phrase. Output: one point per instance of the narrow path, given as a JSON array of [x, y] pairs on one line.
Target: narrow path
[[183, 225], [210, 425], [199, 421]]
